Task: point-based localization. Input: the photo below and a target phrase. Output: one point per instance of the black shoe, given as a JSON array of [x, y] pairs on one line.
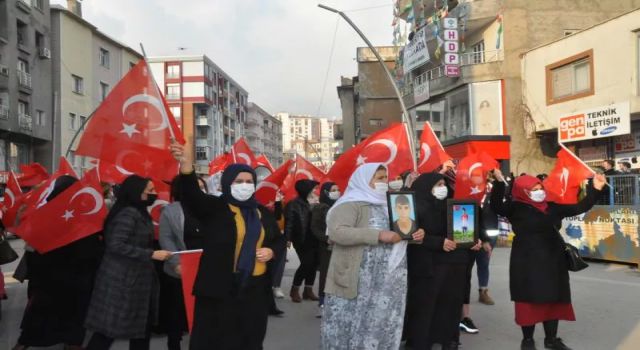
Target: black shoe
[[555, 344], [276, 312], [528, 344], [467, 326], [454, 345]]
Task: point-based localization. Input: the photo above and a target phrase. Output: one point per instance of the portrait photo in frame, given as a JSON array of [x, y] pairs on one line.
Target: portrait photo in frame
[[463, 221], [402, 213]]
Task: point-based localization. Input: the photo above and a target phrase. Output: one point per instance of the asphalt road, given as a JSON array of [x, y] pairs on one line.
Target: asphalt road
[[606, 300]]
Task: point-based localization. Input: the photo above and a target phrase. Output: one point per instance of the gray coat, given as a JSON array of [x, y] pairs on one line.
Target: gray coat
[[171, 236], [125, 295]]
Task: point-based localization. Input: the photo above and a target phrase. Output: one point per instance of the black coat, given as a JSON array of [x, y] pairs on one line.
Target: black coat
[[297, 220], [538, 270], [216, 277]]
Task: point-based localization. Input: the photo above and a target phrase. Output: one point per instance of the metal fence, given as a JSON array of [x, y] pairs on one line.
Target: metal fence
[[622, 190]]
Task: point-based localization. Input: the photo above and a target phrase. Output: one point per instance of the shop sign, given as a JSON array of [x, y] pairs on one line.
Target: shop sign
[[628, 143], [606, 121], [416, 52], [421, 90], [451, 47]]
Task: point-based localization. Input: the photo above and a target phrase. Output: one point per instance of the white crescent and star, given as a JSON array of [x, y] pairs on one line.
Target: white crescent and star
[[564, 179], [119, 160], [426, 151], [305, 172], [473, 167], [157, 203], [245, 157], [43, 197], [99, 201], [393, 151], [154, 102], [267, 184], [129, 129]]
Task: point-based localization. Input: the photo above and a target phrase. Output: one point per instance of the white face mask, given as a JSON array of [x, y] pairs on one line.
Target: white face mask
[[242, 192], [381, 187], [396, 185], [538, 196], [440, 192], [334, 195]]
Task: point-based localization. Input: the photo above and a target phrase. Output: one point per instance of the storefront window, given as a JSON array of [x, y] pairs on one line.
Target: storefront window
[[457, 120]]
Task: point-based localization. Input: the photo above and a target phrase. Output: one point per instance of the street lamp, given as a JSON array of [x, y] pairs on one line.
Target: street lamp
[[405, 113]]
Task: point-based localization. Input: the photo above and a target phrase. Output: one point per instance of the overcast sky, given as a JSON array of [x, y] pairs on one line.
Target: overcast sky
[[278, 50]]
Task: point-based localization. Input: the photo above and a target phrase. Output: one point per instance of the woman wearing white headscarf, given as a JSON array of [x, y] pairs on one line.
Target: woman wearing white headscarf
[[367, 279]]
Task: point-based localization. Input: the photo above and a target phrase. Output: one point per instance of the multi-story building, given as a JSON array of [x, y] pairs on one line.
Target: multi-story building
[[482, 106], [264, 134], [211, 107], [25, 89], [310, 137], [87, 64], [368, 101]]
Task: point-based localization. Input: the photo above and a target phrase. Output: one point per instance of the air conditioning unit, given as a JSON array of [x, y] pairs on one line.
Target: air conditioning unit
[[4, 70], [45, 52]]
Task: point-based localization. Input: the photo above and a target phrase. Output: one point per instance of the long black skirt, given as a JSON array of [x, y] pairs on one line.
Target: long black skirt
[[435, 306], [232, 323]]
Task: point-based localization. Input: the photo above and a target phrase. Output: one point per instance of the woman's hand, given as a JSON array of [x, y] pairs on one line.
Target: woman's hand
[[599, 181], [264, 254], [389, 237], [448, 245], [487, 248], [411, 178], [497, 173], [478, 246], [446, 166], [186, 163], [178, 270], [418, 236], [161, 255]]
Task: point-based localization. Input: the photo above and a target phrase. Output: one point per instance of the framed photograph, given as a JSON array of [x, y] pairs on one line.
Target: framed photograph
[[402, 213], [463, 218]]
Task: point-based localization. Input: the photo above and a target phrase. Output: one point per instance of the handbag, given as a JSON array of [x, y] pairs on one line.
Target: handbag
[[575, 262], [7, 254]]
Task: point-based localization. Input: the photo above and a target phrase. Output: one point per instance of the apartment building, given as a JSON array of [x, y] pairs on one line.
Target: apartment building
[[310, 137], [264, 134]]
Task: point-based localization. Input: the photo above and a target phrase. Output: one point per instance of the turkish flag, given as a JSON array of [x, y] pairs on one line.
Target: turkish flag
[[563, 183], [109, 173], [267, 189], [241, 153], [263, 161], [432, 154], [33, 174], [133, 128], [65, 168], [13, 199], [303, 169], [220, 163], [155, 210], [471, 176], [189, 263], [77, 212], [389, 146]]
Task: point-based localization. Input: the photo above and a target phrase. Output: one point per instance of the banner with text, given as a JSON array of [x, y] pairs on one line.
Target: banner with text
[[605, 121], [416, 52]]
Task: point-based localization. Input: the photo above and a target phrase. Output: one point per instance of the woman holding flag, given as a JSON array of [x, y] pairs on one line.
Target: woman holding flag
[[232, 287]]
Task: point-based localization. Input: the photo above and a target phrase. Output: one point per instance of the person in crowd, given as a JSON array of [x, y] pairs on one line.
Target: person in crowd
[[60, 285], [542, 176], [280, 260], [329, 194], [232, 286], [538, 272], [365, 293], [437, 270], [179, 230], [609, 167], [624, 167], [124, 304], [490, 227], [297, 230]]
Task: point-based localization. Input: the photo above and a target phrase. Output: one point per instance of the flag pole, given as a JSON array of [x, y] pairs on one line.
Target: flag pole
[[405, 114]]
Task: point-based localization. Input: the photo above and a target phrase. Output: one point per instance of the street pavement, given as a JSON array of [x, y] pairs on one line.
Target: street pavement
[[606, 300]]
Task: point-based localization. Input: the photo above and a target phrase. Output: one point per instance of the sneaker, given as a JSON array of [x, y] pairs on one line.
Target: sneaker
[[555, 344], [467, 326], [277, 292], [528, 344], [320, 310]]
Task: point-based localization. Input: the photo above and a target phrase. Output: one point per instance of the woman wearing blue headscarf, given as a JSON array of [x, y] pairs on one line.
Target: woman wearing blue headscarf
[[240, 238]]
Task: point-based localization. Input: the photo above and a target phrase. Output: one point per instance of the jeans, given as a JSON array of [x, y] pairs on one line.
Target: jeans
[[482, 261]]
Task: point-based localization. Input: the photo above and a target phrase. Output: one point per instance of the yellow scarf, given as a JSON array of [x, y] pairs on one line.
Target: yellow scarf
[[260, 267]]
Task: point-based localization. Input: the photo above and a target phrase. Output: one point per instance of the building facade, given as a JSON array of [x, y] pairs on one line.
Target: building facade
[[264, 134], [368, 101], [211, 107], [310, 137], [484, 101], [25, 89], [87, 64]]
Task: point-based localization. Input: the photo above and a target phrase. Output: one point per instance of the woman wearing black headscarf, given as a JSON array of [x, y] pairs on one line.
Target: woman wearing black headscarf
[[329, 194], [125, 298], [60, 283], [232, 286], [437, 271], [297, 220]]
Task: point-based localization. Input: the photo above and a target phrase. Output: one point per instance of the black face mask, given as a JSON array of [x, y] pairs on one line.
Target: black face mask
[[151, 198]]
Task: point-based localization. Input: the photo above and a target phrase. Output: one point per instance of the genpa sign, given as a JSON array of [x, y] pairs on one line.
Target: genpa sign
[[607, 121]]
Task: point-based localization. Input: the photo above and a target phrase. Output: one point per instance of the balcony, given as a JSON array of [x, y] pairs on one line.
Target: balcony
[[24, 5], [172, 75], [4, 112], [202, 121], [173, 96], [24, 79], [25, 122]]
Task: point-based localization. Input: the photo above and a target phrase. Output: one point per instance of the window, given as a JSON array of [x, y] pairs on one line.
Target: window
[[40, 41], [201, 153], [72, 121], [39, 4], [23, 108], [570, 78], [22, 33], [40, 118], [478, 53], [202, 133], [376, 122], [104, 90], [78, 84], [23, 66], [173, 71], [104, 57], [83, 119], [173, 91]]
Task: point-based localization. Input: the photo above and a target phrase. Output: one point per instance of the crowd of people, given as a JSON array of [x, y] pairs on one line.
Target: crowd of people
[[376, 289]]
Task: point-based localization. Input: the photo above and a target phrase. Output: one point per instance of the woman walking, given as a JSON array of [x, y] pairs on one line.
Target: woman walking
[[124, 304], [367, 278], [232, 286], [538, 272]]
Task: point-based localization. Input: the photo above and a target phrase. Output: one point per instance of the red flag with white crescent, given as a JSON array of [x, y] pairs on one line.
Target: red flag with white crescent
[[432, 154], [263, 161], [155, 210], [563, 183], [471, 176], [241, 153], [77, 212], [13, 199], [268, 188], [189, 263], [220, 163], [33, 174]]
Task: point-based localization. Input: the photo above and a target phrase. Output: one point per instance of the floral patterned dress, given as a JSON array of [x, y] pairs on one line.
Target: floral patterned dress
[[372, 320]]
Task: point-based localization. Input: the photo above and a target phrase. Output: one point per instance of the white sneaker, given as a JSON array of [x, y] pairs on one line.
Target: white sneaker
[[320, 310], [277, 292]]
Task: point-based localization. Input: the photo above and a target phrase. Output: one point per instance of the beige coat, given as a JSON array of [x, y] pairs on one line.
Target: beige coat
[[348, 229]]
